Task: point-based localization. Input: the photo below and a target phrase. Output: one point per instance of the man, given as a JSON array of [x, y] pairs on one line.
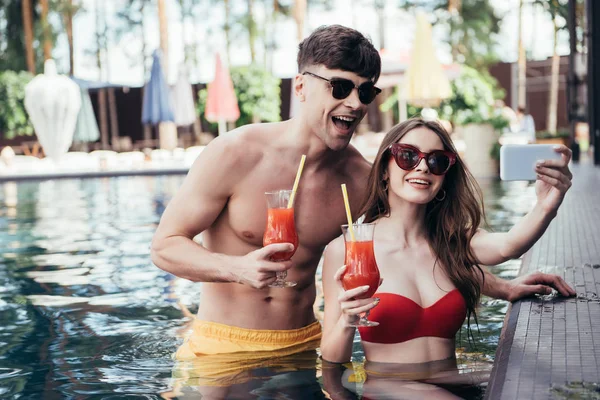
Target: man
[[525, 125], [223, 198], [239, 316]]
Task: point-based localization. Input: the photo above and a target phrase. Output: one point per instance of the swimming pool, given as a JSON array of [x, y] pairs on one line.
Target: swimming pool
[[85, 314]]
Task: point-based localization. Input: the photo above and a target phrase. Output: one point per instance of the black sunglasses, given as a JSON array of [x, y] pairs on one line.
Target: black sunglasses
[[341, 88]]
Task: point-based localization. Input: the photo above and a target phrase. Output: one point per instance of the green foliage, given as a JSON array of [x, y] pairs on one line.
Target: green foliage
[[13, 117], [473, 96], [495, 151], [472, 101], [201, 106], [12, 37], [12, 45], [557, 9], [257, 92], [561, 133], [472, 32]]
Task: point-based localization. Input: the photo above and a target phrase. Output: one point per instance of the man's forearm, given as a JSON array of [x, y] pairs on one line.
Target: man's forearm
[[187, 259]]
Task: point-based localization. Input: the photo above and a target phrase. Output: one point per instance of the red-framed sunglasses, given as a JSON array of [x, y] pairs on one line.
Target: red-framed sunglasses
[[408, 157]]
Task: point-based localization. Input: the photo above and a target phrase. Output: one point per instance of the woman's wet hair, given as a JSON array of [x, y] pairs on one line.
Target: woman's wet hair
[[339, 47], [450, 223]]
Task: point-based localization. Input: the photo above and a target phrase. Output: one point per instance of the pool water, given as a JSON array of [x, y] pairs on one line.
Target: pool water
[[85, 314]]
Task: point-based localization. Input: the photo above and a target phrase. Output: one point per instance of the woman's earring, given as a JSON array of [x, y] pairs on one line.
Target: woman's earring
[[386, 185], [443, 196]]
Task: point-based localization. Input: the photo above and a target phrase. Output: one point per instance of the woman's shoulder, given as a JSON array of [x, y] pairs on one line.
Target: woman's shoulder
[[335, 247], [334, 254]]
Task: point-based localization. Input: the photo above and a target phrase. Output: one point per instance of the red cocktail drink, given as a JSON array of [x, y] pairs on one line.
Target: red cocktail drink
[[281, 229], [361, 268]]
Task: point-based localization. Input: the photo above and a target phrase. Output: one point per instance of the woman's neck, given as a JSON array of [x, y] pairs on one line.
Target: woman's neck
[[405, 224]]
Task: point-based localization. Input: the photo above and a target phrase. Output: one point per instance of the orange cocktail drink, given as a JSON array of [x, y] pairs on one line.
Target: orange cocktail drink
[[281, 228], [361, 268]]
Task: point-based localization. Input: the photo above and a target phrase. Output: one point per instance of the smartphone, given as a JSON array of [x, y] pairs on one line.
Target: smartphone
[[517, 161]]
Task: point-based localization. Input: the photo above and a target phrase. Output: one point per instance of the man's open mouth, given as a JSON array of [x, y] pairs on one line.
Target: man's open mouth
[[343, 122]]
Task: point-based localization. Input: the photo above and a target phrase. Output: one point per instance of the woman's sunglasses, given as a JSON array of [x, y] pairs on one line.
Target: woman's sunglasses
[[341, 88], [408, 157]]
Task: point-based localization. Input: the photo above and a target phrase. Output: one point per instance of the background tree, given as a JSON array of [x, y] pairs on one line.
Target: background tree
[[473, 27], [46, 30], [67, 9], [130, 20], [13, 54], [558, 11], [28, 34]]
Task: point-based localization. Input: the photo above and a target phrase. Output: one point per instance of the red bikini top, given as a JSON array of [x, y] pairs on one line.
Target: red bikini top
[[401, 319]]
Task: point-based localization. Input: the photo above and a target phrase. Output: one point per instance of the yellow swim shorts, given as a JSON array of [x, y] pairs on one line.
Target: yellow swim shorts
[[222, 355]]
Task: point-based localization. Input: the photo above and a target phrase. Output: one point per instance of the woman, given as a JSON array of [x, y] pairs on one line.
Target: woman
[[428, 246]]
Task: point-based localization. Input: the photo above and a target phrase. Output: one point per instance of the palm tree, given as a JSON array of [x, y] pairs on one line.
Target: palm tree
[[473, 24], [47, 34], [558, 10], [28, 30], [251, 25], [380, 8], [164, 35], [521, 64], [68, 10], [100, 45], [300, 17], [227, 28]]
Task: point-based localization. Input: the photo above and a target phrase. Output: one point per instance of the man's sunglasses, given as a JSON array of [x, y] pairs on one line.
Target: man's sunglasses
[[408, 157], [341, 88]]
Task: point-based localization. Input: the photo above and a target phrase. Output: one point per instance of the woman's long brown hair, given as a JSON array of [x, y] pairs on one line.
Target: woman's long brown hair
[[450, 223]]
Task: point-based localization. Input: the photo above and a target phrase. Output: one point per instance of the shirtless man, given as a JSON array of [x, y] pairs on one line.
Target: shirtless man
[[223, 198]]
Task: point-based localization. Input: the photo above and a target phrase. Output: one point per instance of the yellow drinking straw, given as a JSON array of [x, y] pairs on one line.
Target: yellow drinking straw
[[348, 213], [293, 195]]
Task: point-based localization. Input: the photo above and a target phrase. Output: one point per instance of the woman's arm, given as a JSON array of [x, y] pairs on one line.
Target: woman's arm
[[523, 286], [554, 179], [340, 307]]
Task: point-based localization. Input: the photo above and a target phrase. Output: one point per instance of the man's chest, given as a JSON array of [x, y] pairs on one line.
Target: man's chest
[[318, 213]]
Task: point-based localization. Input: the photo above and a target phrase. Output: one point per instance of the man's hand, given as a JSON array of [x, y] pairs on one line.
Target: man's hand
[[537, 283], [256, 268]]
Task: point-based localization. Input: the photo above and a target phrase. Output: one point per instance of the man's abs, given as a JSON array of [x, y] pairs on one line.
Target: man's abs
[[274, 308]]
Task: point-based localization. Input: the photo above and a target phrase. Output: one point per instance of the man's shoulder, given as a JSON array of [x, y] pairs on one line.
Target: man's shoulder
[[245, 140], [355, 163]]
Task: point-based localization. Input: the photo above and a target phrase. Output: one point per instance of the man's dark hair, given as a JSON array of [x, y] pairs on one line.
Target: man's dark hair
[[339, 47], [522, 110]]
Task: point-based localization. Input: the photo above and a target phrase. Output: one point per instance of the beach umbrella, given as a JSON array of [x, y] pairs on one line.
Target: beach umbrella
[[156, 106], [53, 102], [86, 128], [221, 104], [426, 84], [183, 99]]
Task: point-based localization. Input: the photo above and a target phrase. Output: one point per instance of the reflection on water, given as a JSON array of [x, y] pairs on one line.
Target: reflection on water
[[84, 313]]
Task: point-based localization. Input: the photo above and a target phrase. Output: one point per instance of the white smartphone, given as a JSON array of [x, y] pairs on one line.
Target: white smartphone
[[517, 161]]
